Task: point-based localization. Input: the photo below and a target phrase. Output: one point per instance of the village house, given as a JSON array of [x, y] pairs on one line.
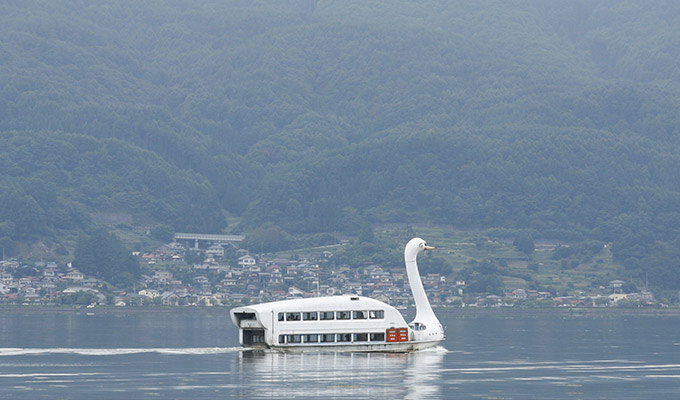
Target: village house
[[374, 271], [76, 289], [517, 294], [367, 289], [264, 278], [48, 285], [646, 296], [149, 258], [208, 300], [90, 282], [74, 275], [433, 281], [615, 297], [225, 269], [354, 287], [215, 251], [163, 276], [146, 279], [275, 275], [382, 297], [50, 271], [202, 282], [246, 261], [149, 293], [228, 282], [169, 298], [170, 250], [252, 268], [30, 293], [616, 286], [7, 279], [294, 292]]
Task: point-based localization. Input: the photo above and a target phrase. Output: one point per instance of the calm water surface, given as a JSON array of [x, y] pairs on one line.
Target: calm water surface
[[194, 354]]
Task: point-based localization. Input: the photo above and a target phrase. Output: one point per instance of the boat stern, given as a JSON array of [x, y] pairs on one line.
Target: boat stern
[[251, 331]]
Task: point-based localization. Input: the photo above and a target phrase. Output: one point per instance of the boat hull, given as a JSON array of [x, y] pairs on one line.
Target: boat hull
[[400, 347]]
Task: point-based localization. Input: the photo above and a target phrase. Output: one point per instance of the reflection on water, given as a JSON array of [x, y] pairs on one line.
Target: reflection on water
[[513, 356], [336, 374]]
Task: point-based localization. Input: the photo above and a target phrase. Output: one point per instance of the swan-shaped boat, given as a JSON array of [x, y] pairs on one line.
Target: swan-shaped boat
[[343, 323]]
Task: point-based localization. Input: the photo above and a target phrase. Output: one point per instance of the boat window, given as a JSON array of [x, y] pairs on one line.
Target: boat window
[[294, 338], [326, 315], [378, 337], [282, 339], [343, 315], [376, 314], [311, 338], [309, 316], [361, 337], [281, 316], [418, 326], [328, 338], [293, 316], [360, 315], [344, 337]]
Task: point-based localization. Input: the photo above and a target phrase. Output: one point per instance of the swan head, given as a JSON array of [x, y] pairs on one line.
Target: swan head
[[417, 245]]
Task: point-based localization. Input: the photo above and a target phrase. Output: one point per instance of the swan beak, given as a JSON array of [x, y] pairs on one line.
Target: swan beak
[[428, 248]]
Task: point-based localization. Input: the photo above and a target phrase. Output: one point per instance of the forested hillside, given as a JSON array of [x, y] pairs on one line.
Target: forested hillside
[[557, 118]]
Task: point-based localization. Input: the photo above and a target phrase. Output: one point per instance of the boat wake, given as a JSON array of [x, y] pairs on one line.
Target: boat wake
[[435, 349], [4, 352]]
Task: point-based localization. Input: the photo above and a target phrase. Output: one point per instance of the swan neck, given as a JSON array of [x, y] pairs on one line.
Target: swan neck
[[424, 313]]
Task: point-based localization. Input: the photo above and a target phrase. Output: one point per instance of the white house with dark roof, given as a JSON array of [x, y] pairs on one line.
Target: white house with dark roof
[[149, 293], [215, 251], [74, 275], [246, 261]]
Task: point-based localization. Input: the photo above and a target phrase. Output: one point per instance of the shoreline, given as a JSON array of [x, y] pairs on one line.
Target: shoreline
[[463, 311]]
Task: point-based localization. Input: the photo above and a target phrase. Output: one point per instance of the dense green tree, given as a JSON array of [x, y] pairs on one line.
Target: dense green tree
[[482, 278], [101, 254], [524, 242], [366, 234], [434, 265], [267, 239], [162, 232], [80, 298]]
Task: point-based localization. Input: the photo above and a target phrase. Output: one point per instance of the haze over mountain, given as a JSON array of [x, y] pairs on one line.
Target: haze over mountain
[[558, 118]]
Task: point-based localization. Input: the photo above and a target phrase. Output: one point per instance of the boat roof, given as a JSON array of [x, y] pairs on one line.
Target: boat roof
[[328, 303]]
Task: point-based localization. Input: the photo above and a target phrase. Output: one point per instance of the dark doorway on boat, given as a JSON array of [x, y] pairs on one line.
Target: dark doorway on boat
[[253, 337]]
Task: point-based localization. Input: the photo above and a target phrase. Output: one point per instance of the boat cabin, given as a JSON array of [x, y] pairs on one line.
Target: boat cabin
[[321, 321]]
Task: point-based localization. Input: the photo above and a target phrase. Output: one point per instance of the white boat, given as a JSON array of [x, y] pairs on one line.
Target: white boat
[[343, 323]]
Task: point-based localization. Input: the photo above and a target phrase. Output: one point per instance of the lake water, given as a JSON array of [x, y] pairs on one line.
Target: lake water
[[178, 354]]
